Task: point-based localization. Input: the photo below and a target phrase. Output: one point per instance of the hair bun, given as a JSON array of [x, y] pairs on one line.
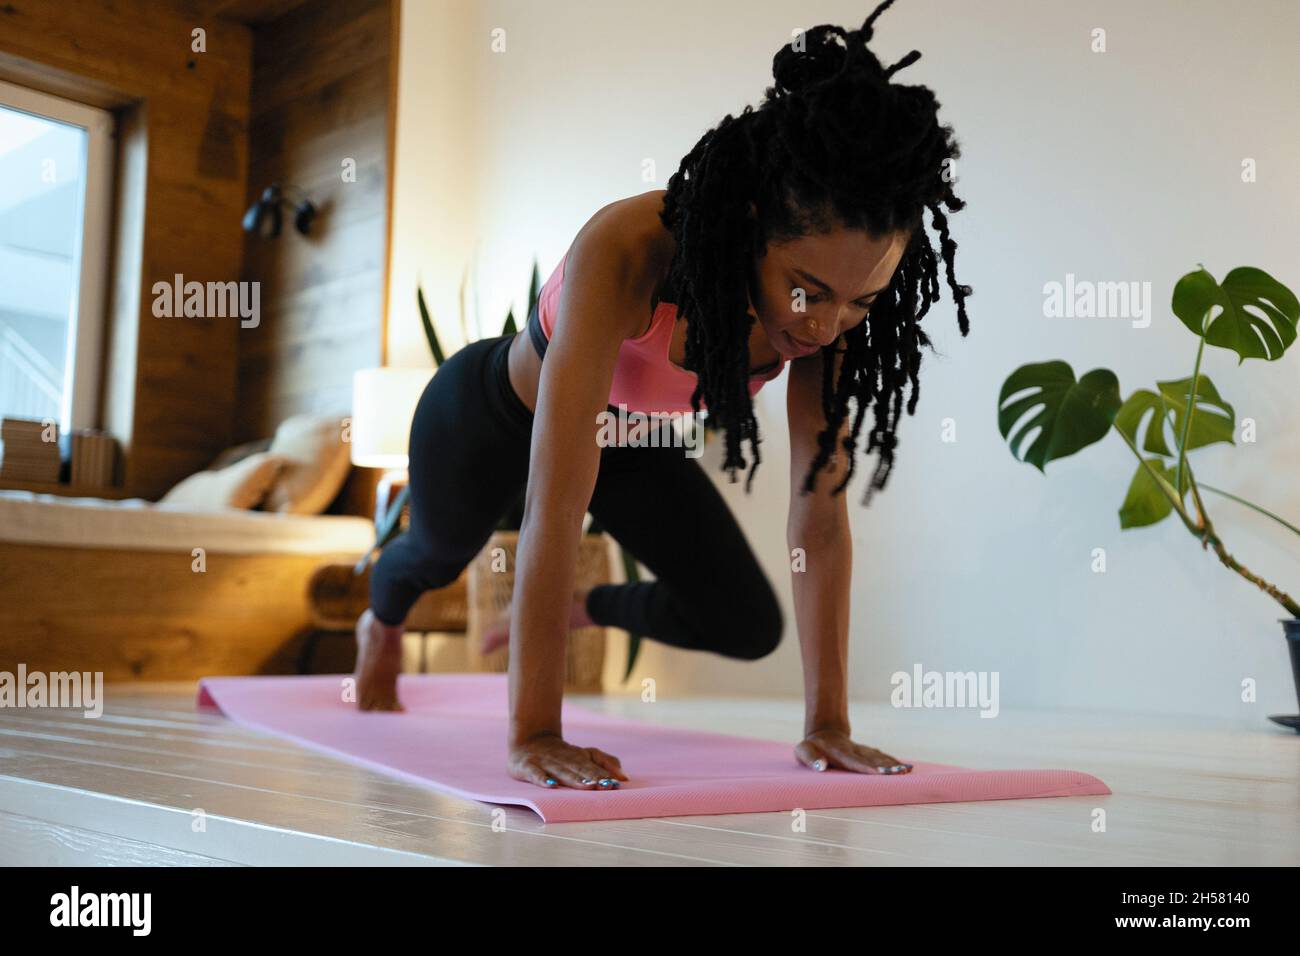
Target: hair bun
[[819, 55], [812, 57]]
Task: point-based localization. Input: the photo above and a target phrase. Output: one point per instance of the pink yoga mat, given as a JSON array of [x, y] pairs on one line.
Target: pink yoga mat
[[452, 738]]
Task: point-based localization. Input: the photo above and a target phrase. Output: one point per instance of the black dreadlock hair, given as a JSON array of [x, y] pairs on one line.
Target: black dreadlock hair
[[834, 142]]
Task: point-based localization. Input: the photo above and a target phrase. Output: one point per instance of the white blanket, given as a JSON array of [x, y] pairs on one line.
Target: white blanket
[[137, 524]]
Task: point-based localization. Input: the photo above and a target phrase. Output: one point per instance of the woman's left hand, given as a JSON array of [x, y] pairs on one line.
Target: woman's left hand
[[831, 748]]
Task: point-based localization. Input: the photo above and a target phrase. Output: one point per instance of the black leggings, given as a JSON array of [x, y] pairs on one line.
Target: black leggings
[[469, 453]]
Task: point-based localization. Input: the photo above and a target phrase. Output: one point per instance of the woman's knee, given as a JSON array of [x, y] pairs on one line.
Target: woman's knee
[[744, 622], [761, 621], [404, 570]]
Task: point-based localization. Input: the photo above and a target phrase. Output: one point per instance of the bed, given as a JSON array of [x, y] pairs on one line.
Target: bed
[[117, 586]]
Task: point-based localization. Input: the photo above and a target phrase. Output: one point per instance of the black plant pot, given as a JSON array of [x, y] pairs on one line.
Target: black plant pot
[[1292, 630]]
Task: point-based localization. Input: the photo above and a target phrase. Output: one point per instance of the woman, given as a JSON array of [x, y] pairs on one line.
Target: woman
[[791, 234]]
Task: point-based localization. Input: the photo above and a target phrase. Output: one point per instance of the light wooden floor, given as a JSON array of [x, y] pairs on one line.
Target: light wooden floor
[[124, 789]]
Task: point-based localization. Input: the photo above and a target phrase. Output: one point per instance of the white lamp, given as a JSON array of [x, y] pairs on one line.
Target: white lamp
[[383, 404]]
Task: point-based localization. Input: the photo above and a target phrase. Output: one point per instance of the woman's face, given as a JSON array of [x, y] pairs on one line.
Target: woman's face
[[812, 289]]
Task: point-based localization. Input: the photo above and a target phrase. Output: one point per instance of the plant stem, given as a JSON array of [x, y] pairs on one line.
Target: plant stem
[[1175, 499], [1202, 518], [1212, 539], [1254, 507], [1204, 530], [1191, 410]]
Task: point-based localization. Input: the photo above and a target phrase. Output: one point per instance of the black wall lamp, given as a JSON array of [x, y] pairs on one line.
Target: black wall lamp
[[264, 216]]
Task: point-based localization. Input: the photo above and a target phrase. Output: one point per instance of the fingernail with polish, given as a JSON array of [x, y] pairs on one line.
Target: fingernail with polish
[[550, 781], [605, 782], [819, 765], [587, 782]]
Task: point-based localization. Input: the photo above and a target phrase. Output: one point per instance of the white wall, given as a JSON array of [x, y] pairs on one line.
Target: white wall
[[1117, 166]]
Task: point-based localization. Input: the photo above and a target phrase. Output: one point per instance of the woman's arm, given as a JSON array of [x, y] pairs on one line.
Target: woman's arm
[[818, 523], [600, 305]]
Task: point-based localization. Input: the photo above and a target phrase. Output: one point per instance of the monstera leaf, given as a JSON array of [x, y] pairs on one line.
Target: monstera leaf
[[1147, 501], [1214, 420], [1071, 414], [1259, 313]]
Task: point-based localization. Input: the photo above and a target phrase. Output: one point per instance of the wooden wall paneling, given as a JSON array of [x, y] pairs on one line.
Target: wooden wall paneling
[[321, 92], [170, 394], [245, 11]]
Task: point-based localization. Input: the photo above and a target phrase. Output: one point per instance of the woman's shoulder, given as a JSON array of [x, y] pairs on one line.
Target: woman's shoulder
[[628, 245], [631, 230]]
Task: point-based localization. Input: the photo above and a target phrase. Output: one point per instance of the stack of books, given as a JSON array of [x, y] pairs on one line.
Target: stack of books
[[27, 455], [93, 454]]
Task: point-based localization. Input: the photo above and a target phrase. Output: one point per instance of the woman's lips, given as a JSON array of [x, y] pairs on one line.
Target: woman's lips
[[802, 349]]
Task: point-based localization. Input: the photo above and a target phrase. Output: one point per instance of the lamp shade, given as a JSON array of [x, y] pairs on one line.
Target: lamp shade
[[383, 404]]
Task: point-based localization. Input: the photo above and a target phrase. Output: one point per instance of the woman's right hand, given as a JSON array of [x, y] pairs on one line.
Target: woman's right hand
[[549, 761]]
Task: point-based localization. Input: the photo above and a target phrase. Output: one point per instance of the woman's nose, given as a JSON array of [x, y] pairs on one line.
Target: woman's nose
[[821, 331]]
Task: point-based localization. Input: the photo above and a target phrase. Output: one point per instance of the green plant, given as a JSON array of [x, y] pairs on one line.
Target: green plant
[[1256, 318]]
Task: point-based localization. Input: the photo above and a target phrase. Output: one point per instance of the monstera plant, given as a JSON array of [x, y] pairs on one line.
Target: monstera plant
[[1046, 413]]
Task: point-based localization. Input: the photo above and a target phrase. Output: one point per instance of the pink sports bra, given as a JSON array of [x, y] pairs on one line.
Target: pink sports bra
[[644, 378]]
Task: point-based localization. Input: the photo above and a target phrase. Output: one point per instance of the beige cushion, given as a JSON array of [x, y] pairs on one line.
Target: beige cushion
[[238, 453], [318, 467], [242, 485]]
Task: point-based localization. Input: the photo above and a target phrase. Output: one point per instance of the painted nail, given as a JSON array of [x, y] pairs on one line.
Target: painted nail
[[586, 781], [550, 781], [819, 765], [605, 781]]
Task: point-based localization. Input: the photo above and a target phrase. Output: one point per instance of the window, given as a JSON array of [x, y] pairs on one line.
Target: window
[[55, 183]]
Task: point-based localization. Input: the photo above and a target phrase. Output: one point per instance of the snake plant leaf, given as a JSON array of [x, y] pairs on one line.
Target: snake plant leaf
[[1147, 501], [1071, 414], [534, 288], [1214, 421], [435, 347], [387, 529], [1258, 317], [510, 328]]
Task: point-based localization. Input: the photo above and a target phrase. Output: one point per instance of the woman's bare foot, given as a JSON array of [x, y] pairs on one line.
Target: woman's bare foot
[[379, 661], [498, 633]]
